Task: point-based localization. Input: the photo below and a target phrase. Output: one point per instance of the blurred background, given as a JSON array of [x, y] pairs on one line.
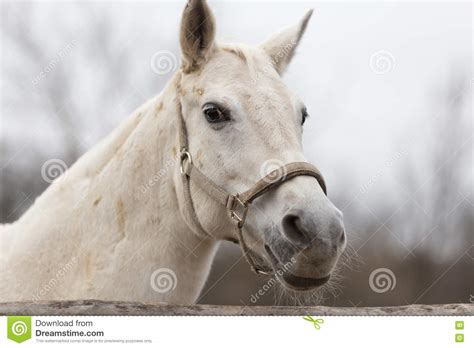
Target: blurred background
[[388, 87]]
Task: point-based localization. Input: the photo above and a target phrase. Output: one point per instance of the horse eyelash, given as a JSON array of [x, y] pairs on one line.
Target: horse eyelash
[[225, 110]]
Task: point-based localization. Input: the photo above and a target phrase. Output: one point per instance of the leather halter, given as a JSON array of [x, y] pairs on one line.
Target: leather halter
[[236, 204]]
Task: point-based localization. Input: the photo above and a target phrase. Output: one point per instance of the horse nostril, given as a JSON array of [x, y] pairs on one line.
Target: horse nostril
[[293, 230], [343, 237], [337, 230]]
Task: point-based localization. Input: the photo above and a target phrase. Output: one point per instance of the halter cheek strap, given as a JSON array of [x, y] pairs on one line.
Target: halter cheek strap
[[236, 204]]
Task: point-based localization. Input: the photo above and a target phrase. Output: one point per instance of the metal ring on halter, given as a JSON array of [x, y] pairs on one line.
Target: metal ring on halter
[[183, 156], [238, 211]]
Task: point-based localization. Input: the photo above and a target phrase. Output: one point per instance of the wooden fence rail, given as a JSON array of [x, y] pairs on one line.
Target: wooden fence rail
[[94, 307]]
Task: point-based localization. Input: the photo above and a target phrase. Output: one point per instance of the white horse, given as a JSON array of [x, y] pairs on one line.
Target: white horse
[[113, 227]]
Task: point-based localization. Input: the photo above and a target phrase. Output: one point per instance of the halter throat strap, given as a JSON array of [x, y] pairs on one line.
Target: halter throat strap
[[237, 204]]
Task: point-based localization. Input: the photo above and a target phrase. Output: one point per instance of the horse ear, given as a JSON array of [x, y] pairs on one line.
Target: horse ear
[[282, 46], [197, 34]]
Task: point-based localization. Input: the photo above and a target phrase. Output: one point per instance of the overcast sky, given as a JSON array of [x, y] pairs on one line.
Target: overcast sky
[[370, 73]]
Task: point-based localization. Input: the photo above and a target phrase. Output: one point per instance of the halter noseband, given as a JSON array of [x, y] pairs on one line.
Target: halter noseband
[[236, 204]]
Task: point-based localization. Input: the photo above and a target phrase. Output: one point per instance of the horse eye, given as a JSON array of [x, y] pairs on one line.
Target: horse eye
[[213, 113], [304, 115]]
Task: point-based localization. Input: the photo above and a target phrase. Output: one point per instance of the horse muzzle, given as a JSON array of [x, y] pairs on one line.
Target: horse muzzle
[[304, 252]]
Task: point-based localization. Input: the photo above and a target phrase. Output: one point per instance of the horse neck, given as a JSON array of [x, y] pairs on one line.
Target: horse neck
[[128, 181], [153, 166]]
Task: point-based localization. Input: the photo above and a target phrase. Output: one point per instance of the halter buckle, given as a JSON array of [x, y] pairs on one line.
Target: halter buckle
[[259, 271], [184, 156], [238, 211]]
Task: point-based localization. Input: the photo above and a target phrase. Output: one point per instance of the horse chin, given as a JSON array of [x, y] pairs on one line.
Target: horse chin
[[295, 283], [291, 281]]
